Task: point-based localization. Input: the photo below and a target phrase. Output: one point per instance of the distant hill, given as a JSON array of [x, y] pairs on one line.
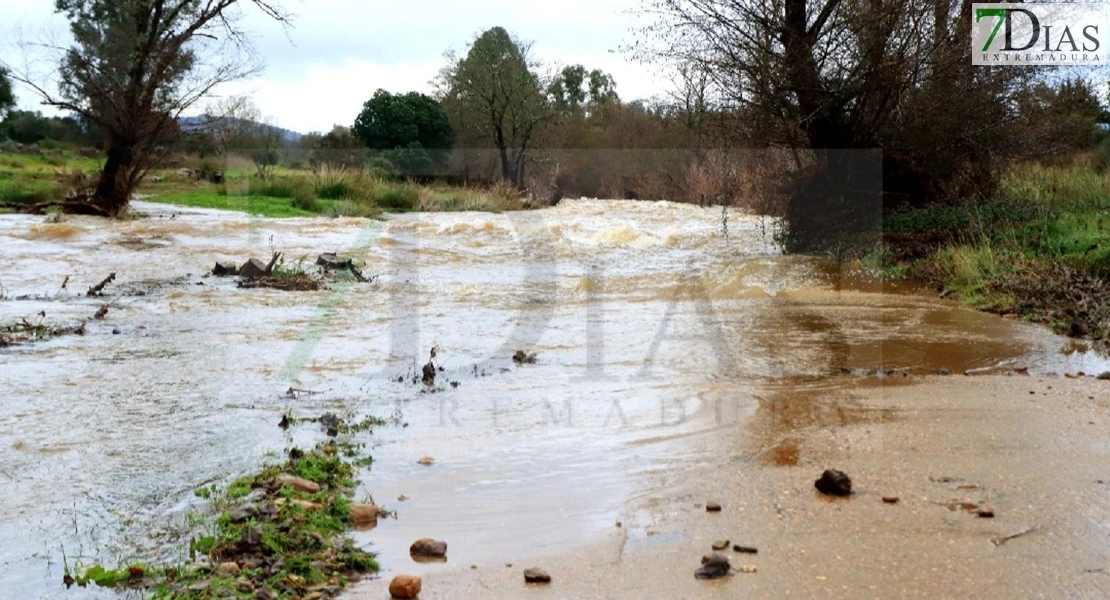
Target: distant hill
[[201, 122]]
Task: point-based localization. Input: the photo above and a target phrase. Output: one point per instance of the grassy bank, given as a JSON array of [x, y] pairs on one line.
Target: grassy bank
[[278, 533], [1039, 251], [33, 175]]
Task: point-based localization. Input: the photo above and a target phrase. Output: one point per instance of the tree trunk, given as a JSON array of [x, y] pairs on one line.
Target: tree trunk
[[113, 189]]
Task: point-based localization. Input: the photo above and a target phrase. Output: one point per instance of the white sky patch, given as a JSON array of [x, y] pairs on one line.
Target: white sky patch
[[321, 71]]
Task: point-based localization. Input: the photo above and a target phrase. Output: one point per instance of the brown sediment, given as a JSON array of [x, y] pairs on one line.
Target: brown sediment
[[1039, 463]]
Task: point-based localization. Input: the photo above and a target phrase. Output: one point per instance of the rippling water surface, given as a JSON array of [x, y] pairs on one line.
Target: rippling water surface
[[651, 328]]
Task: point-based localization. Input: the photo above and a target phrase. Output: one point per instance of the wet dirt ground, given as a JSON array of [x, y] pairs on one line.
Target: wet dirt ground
[[673, 364]]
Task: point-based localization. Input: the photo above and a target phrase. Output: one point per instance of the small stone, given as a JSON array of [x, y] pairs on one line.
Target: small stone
[[745, 549], [253, 268], [713, 566], [944, 372], [712, 506], [747, 569], [116, 331], [305, 504], [402, 498], [985, 512], [298, 483], [224, 269], [428, 547], [364, 515], [243, 513], [426, 461], [720, 544], [404, 587], [834, 483], [230, 567], [890, 499], [536, 575], [1104, 376]]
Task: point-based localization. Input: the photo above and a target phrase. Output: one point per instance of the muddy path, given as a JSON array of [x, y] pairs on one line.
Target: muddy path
[[653, 333]]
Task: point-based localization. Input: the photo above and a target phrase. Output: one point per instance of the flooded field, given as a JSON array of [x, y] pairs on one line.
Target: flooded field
[[656, 336]]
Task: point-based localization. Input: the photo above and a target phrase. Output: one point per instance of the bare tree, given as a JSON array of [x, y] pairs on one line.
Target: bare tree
[[835, 75], [134, 67]]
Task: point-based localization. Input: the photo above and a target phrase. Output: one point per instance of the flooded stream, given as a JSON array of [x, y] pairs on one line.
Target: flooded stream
[[652, 330]]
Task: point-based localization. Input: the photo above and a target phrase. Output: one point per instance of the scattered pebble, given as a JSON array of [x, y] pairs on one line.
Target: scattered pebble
[[402, 498], [536, 575], [404, 587], [747, 569], [713, 566], [890, 499], [944, 372], [720, 544], [426, 461], [116, 331], [428, 547], [712, 506], [985, 512], [834, 483], [298, 483], [745, 549], [364, 515], [1104, 376]]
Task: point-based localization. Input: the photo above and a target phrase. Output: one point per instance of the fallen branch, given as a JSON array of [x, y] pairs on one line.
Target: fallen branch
[[96, 289], [998, 541]]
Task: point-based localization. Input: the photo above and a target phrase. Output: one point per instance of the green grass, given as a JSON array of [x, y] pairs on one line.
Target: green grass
[[29, 191], [1046, 231], [263, 206]]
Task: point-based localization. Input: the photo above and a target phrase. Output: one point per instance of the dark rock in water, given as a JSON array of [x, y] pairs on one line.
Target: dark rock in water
[[116, 331], [834, 483], [1078, 329], [712, 506], [429, 374], [890, 499], [521, 357], [1104, 376], [428, 547], [1025, 306], [713, 566], [253, 268], [331, 423], [985, 512], [745, 549], [330, 260], [536, 575], [720, 544], [946, 292], [944, 372], [224, 270]]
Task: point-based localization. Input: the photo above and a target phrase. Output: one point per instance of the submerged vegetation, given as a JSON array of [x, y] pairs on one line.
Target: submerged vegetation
[[278, 533]]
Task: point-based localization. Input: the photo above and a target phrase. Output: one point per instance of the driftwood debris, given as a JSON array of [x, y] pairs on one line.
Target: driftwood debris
[[96, 289]]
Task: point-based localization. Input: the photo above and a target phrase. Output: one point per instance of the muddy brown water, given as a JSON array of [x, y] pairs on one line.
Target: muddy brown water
[[651, 329]]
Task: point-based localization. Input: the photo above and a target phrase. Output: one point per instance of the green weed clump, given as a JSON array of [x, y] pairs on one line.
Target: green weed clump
[[269, 539]]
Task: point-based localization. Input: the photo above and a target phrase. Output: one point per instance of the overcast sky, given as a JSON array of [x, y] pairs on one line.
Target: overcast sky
[[340, 51]]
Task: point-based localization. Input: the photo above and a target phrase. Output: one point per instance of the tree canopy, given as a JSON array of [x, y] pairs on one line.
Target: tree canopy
[[575, 89], [411, 129], [495, 90], [7, 96]]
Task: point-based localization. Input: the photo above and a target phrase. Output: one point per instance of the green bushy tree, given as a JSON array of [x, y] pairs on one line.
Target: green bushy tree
[[411, 130]]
